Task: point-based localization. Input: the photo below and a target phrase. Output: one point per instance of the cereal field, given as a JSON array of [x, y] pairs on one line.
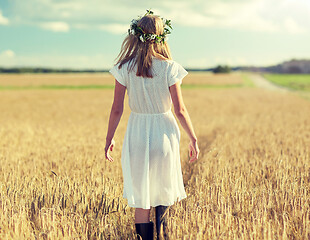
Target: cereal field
[[252, 180]]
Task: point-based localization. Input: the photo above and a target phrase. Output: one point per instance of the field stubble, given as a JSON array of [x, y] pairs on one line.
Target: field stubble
[[251, 181], [100, 79]]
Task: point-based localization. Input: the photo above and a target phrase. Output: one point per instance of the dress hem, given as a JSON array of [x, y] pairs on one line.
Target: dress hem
[[157, 204]]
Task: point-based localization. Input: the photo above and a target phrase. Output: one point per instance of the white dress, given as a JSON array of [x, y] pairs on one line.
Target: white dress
[[150, 155]]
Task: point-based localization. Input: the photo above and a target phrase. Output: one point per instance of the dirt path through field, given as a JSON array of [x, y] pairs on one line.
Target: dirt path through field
[[261, 82]]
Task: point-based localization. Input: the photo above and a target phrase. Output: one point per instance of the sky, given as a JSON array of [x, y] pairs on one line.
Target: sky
[[87, 34]]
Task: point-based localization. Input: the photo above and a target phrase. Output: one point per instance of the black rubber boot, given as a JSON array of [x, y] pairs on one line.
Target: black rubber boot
[[161, 222], [145, 231]]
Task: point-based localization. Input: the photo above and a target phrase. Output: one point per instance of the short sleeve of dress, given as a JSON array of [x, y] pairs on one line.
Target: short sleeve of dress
[[118, 74], [176, 74]]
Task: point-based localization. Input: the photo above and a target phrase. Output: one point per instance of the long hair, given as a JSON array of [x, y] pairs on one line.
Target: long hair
[[140, 53]]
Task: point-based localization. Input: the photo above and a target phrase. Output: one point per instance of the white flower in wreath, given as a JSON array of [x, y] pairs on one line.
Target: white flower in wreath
[[132, 31], [153, 36], [141, 38]]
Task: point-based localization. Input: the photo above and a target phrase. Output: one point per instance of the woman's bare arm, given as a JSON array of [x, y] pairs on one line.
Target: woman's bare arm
[[184, 118], [115, 116]]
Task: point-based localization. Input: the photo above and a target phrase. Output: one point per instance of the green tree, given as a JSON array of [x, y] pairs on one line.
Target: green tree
[[222, 69]]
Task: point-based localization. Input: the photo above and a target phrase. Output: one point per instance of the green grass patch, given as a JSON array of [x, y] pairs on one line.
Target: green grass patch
[[293, 81], [247, 82]]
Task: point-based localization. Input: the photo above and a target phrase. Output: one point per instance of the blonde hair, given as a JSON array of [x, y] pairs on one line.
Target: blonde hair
[[140, 53]]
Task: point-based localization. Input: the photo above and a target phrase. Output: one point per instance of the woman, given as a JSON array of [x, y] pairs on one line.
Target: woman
[[150, 155]]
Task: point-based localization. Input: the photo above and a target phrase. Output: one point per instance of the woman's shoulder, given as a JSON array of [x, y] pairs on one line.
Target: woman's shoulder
[[172, 65], [172, 68]]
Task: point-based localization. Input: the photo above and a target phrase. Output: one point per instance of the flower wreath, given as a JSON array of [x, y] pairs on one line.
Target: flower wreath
[[143, 37]]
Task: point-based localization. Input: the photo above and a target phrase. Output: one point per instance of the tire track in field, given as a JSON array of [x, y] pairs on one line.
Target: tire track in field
[[261, 82]]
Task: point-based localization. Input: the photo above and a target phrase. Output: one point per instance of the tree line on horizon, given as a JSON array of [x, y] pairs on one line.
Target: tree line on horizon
[[46, 70], [291, 67]]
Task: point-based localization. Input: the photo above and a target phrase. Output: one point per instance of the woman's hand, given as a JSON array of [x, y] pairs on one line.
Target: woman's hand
[[193, 150], [109, 147]]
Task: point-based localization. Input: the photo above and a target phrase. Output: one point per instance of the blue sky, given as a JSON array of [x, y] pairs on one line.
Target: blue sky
[[88, 33]]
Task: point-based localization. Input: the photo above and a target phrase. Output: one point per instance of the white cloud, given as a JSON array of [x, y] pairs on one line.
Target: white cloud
[[7, 58], [224, 60], [252, 15], [115, 28], [3, 20], [234, 61], [97, 61], [7, 54], [239, 61], [197, 62], [291, 16], [292, 27], [55, 26]]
